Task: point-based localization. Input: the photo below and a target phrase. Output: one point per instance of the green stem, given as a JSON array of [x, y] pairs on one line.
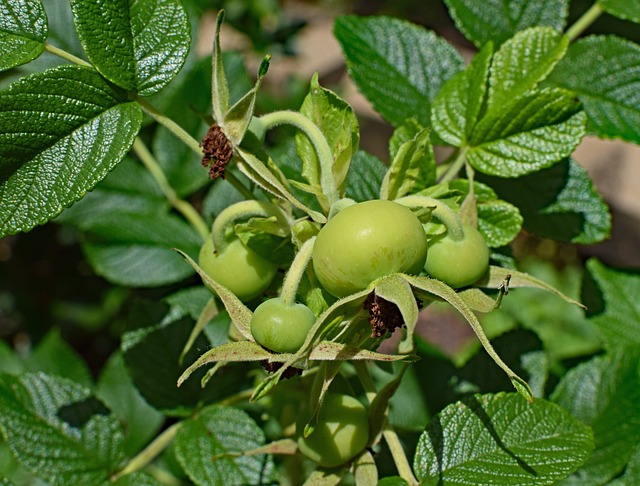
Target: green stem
[[444, 213], [150, 452], [295, 273], [66, 55], [456, 165], [319, 141], [588, 18], [182, 206]]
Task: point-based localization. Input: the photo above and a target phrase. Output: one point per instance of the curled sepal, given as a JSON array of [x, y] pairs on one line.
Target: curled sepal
[[478, 301], [329, 350], [209, 312], [239, 313], [219, 87], [449, 295], [287, 447], [321, 477], [258, 172], [507, 278], [364, 469]]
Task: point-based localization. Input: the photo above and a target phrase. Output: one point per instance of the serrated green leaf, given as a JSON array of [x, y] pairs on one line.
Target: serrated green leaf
[[604, 71], [521, 63], [208, 448], [497, 20], [618, 321], [412, 169], [534, 132], [501, 439], [140, 422], [23, 32], [457, 106], [140, 46], [79, 128], [398, 66], [604, 393], [365, 177], [58, 430], [624, 9], [560, 203]]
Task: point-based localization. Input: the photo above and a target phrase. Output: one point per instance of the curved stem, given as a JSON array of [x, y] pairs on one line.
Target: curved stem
[[319, 141], [182, 206], [583, 23], [456, 165], [295, 273], [66, 55], [149, 453], [444, 213]]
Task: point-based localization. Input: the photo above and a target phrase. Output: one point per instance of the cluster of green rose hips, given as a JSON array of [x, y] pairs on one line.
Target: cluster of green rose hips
[[360, 242]]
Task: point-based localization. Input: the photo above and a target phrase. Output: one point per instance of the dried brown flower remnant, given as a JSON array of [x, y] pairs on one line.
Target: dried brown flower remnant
[[217, 151], [384, 316], [272, 367]]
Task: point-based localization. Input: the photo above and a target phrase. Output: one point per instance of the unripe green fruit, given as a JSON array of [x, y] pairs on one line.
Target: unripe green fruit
[[281, 327], [458, 263], [367, 241]]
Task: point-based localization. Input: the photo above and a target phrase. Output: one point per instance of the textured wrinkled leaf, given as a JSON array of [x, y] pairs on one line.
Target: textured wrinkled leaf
[[560, 203], [618, 319], [497, 20], [521, 63], [458, 104], [533, 133], [398, 66], [207, 447], [23, 32], [501, 439], [139, 46], [79, 128], [604, 71], [604, 393], [624, 9], [365, 177], [58, 430]]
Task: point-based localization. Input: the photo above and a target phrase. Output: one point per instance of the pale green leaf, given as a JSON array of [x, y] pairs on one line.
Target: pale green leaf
[[503, 440], [23, 32]]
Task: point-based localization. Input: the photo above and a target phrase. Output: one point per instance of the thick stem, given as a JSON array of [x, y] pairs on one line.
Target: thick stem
[[182, 206], [295, 273], [441, 211], [150, 452], [66, 55], [583, 23], [311, 130], [456, 165]]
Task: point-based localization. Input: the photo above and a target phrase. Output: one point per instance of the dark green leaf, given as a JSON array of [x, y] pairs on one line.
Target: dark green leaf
[[58, 430], [23, 32], [140, 422], [79, 128], [393, 481], [625, 9], [501, 439], [604, 393], [618, 322], [140, 46], [631, 475], [210, 448], [604, 71], [365, 177], [137, 479], [398, 66], [558, 203], [497, 20]]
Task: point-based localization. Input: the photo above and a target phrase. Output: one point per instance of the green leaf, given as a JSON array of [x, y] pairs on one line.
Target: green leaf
[[58, 430], [617, 317], [624, 9], [365, 176], [631, 474], [140, 46], [536, 131], [521, 63], [23, 32], [398, 66], [403, 133], [79, 128], [337, 121], [140, 422], [604, 393], [497, 20], [501, 439], [457, 106], [558, 203], [604, 71], [413, 168], [210, 448]]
